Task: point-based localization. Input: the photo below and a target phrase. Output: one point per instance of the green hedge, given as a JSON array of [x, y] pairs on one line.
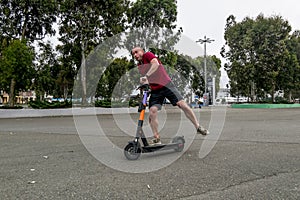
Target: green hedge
[[8, 107], [107, 103], [48, 105], [278, 100]]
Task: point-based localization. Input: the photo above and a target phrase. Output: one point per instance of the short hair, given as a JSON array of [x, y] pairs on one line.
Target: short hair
[[137, 47]]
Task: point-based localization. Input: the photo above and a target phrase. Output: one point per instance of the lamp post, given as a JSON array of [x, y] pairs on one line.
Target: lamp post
[[214, 90], [201, 41]]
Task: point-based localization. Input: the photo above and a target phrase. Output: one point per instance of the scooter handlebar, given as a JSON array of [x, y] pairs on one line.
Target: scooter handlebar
[[144, 87]]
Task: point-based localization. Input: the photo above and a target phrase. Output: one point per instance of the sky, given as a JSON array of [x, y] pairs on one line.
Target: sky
[[199, 18]]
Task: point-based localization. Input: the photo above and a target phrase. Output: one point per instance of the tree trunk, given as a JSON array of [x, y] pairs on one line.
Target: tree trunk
[[273, 93], [12, 93], [65, 91], [83, 74], [252, 91], [38, 95], [24, 28]]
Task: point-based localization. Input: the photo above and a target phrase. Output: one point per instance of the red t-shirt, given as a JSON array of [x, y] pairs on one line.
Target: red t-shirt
[[159, 78]]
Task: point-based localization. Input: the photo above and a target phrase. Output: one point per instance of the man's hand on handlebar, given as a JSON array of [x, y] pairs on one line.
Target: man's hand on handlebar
[[144, 80]]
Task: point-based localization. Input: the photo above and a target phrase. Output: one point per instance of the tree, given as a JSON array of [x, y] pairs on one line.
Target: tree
[[152, 24], [257, 53], [215, 68], [240, 56], [64, 81], [272, 50], [84, 24], [114, 82], [188, 79], [44, 81], [292, 68], [16, 68], [27, 19]]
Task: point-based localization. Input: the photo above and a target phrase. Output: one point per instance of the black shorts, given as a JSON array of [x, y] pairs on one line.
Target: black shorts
[[169, 91]]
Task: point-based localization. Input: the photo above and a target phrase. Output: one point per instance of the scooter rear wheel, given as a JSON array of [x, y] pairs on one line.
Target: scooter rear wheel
[[131, 152], [180, 144]]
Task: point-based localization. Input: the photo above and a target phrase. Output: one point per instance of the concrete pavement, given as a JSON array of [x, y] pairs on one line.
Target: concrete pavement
[[256, 157]]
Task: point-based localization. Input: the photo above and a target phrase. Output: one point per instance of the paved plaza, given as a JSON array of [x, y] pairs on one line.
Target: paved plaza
[[257, 156]]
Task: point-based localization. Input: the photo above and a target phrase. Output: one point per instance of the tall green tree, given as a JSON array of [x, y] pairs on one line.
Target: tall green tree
[[16, 68], [188, 77], [256, 51], [64, 81], [215, 65], [152, 24], [27, 19], [292, 69], [83, 25], [213, 71], [270, 45], [240, 55], [46, 70], [114, 82]]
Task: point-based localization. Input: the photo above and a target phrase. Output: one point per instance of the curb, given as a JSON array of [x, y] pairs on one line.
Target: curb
[[265, 106], [23, 113]]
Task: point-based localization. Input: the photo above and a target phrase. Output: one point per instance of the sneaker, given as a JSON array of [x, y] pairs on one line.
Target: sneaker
[[154, 141], [201, 130]]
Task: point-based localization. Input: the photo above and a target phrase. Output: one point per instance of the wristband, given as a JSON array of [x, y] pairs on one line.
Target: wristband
[[147, 76]]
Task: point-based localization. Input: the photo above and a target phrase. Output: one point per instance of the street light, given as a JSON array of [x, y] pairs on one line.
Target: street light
[[205, 40]]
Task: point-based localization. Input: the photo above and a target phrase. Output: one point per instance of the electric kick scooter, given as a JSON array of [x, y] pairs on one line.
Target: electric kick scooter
[[133, 149]]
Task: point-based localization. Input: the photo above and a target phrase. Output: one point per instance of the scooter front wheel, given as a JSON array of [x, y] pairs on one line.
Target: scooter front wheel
[[132, 152]]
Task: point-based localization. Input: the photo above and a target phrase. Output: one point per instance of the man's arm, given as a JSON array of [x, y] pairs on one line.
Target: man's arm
[[154, 66]]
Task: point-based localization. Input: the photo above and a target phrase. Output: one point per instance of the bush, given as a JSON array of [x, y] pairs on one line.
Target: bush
[[107, 103], [103, 103], [48, 105], [8, 107], [278, 100], [281, 100]]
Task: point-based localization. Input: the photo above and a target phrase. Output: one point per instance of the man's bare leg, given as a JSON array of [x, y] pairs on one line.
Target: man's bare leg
[[153, 120], [191, 116], [188, 112]]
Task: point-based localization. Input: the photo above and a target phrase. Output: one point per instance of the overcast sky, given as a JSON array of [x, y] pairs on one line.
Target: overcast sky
[[199, 18]]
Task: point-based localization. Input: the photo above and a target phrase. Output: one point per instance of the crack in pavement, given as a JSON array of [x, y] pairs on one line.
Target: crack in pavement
[[261, 177]]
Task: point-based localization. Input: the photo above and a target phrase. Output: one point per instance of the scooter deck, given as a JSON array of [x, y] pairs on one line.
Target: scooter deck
[[156, 147]]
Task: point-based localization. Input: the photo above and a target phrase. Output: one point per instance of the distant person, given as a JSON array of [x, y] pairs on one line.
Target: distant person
[[154, 74]]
